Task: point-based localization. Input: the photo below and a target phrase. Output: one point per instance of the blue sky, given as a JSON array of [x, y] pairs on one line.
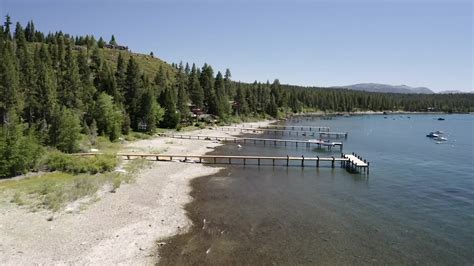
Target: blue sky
[[303, 42]]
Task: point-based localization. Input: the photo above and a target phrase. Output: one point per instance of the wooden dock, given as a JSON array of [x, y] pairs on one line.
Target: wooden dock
[[286, 142], [301, 128], [352, 163], [304, 133], [355, 163]]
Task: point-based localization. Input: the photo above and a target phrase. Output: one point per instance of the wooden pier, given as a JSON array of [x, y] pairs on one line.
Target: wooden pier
[[355, 163], [301, 128], [286, 142], [352, 163], [284, 131]]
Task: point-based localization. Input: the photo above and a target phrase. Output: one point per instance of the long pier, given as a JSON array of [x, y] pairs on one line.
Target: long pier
[[352, 163], [283, 131], [301, 128], [286, 142]]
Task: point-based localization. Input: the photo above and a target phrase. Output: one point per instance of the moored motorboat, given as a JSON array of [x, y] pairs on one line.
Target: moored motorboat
[[322, 142]]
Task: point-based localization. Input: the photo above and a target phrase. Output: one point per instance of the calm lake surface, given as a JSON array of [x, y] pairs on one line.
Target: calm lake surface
[[415, 207]]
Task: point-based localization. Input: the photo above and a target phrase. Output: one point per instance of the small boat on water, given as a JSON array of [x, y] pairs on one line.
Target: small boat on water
[[322, 142], [436, 135], [441, 119]]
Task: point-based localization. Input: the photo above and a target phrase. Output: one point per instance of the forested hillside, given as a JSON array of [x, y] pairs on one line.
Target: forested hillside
[[55, 87]]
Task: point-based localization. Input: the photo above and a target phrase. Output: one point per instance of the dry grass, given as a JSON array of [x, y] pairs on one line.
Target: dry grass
[[52, 191]]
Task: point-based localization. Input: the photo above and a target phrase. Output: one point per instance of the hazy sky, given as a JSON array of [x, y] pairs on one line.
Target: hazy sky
[[321, 43]]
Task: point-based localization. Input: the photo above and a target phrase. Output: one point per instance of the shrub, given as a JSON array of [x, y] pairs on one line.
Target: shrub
[[58, 161]]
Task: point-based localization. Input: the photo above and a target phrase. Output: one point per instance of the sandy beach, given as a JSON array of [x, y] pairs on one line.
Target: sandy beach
[[118, 228]]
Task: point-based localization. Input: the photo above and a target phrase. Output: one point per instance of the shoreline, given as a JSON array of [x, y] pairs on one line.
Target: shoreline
[[322, 114], [121, 227]]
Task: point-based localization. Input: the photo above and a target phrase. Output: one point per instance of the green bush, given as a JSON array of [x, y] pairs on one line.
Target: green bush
[[58, 161]]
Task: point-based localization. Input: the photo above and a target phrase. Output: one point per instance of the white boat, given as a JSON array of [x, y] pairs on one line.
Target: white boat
[[322, 142]]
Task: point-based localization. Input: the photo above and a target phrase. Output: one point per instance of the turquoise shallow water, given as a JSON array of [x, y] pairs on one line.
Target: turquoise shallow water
[[416, 206]]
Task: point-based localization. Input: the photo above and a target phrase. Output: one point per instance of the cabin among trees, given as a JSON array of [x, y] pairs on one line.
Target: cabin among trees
[[116, 47]]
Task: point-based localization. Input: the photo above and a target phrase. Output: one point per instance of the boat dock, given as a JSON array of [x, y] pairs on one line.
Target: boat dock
[[355, 163], [352, 163], [286, 131], [285, 142], [301, 128]]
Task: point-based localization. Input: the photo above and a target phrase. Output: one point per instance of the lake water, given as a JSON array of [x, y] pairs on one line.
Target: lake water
[[415, 207]]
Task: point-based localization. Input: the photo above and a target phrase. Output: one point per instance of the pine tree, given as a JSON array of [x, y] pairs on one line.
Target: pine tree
[[19, 31], [272, 108], [152, 113], [112, 40], [2, 37], [161, 81], [27, 77], [59, 56], [195, 90], [6, 27], [207, 83], [276, 91], [71, 85], [241, 101], [251, 100], [222, 102], [229, 86], [45, 90], [108, 117], [88, 89], [19, 152], [133, 91], [183, 100], [30, 32], [96, 60], [100, 43], [120, 78], [187, 70], [108, 84], [171, 117], [64, 133], [11, 100], [181, 85]]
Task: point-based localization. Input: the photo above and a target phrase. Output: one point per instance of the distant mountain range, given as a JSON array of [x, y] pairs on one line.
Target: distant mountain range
[[375, 87]]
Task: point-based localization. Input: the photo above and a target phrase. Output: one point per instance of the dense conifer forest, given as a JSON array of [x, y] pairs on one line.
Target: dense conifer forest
[[56, 87]]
